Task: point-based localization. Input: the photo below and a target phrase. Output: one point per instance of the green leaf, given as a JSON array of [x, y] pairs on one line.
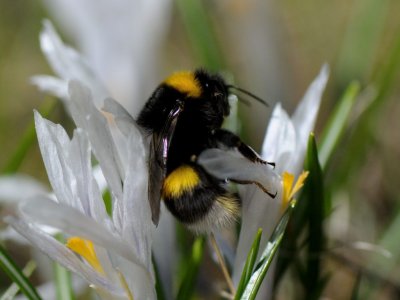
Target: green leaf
[[314, 193], [362, 39], [382, 263], [262, 267], [201, 35], [10, 268], [249, 265], [363, 134], [354, 293], [187, 285], [159, 287], [107, 201], [337, 123], [62, 279], [27, 140], [311, 210], [13, 290]]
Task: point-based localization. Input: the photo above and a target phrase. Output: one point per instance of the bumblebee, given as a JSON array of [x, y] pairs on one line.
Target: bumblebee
[[184, 116]]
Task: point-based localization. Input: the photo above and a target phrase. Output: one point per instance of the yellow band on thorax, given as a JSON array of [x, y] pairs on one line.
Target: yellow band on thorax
[[185, 82], [181, 180]]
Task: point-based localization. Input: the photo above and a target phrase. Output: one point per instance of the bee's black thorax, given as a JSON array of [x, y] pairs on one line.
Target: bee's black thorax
[[155, 112], [201, 115]]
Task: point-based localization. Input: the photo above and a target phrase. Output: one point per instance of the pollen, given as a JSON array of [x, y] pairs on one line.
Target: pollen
[[185, 82], [181, 180], [289, 190], [85, 249]]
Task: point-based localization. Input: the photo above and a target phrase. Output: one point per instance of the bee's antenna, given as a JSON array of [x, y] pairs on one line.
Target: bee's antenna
[[229, 86]]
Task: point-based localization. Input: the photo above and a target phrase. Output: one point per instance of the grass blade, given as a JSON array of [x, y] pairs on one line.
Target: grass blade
[[10, 268], [159, 287], [200, 33], [249, 265], [354, 294], [365, 130], [63, 283], [316, 211], [336, 125], [311, 210], [262, 267], [62, 279], [13, 290], [362, 39], [186, 288], [27, 140]]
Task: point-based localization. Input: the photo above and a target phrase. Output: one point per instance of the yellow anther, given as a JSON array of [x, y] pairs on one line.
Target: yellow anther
[[289, 190], [125, 286], [299, 183], [85, 249]]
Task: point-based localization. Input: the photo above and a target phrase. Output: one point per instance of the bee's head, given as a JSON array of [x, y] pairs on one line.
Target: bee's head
[[214, 88]]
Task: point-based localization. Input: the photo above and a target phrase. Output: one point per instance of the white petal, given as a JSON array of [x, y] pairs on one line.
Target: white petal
[[41, 210], [88, 117], [122, 125], [100, 29], [14, 188], [141, 286], [280, 140], [68, 63], [308, 108], [123, 119], [306, 114], [137, 224], [61, 254], [50, 84], [87, 190], [68, 164], [231, 165], [262, 212], [166, 261], [99, 176], [53, 140]]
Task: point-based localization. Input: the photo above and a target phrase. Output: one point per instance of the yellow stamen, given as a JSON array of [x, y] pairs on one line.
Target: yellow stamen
[[299, 183], [125, 286], [287, 182], [85, 249], [289, 190]]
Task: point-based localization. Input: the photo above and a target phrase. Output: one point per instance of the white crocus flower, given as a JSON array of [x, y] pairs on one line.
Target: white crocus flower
[[122, 41], [13, 190], [112, 253], [285, 144], [68, 63]]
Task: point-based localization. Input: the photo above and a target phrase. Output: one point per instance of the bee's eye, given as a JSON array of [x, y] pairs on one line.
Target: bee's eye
[[206, 85]]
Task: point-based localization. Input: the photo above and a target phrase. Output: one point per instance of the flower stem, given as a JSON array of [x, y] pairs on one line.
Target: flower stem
[[222, 264]]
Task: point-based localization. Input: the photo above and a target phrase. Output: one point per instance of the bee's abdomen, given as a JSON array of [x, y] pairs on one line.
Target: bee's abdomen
[[198, 199]]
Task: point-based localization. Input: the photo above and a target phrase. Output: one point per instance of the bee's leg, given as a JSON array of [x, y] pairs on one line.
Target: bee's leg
[[272, 195], [231, 140]]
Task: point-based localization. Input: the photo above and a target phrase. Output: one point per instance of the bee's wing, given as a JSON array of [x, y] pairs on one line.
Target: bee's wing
[[159, 146]]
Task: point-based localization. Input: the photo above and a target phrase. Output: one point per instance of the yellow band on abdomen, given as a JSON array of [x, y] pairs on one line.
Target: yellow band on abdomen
[[181, 180]]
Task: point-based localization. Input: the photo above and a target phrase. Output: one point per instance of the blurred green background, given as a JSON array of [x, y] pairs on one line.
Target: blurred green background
[[274, 49]]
